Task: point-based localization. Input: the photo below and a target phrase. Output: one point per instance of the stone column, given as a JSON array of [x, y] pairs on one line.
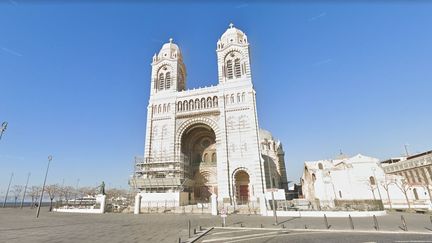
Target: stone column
[[101, 199], [137, 208], [214, 205]]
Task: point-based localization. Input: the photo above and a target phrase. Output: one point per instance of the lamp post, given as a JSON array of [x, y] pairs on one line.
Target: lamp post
[[7, 192], [43, 187], [25, 190], [271, 185], [3, 129]]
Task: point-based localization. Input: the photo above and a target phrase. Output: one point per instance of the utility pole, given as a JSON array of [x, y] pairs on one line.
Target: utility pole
[[3, 129], [271, 186], [406, 149], [43, 187], [25, 189], [7, 192]]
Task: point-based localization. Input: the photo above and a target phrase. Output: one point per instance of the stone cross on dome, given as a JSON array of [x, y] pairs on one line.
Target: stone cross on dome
[[170, 40], [231, 25]]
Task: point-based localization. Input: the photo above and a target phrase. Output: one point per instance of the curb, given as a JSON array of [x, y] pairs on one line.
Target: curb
[[330, 230]]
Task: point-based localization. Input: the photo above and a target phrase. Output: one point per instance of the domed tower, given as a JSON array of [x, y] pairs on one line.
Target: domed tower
[[233, 56], [168, 70]]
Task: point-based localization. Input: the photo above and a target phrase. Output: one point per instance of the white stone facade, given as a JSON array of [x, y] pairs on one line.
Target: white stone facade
[[358, 178], [205, 141]]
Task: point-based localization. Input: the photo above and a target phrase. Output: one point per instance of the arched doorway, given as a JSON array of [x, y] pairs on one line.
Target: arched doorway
[[198, 149], [241, 179]]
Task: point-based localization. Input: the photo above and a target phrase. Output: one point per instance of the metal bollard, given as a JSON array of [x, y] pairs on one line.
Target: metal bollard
[[179, 241], [283, 226], [189, 228], [351, 221], [194, 231], [262, 226], [376, 226], [306, 226], [404, 225], [326, 222], [241, 225], [200, 228]]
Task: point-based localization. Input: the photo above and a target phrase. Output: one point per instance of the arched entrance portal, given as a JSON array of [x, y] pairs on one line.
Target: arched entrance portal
[[242, 187], [198, 147]]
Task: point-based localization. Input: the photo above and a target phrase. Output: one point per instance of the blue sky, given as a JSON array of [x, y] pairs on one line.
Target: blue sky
[[74, 79]]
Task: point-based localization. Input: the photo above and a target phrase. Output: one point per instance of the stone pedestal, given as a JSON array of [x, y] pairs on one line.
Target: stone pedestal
[[214, 205], [137, 208], [101, 199], [263, 205]]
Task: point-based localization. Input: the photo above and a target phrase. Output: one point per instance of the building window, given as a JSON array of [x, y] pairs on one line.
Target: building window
[[237, 68], [229, 68], [320, 166], [232, 99], [372, 180], [161, 81], [213, 157], [205, 157], [243, 97], [168, 80], [238, 97], [340, 194], [415, 194]]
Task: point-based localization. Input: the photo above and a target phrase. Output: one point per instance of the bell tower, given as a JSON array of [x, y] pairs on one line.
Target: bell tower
[[233, 56], [168, 70]]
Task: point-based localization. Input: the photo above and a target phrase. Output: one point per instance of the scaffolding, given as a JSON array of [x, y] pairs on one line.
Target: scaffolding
[[161, 175]]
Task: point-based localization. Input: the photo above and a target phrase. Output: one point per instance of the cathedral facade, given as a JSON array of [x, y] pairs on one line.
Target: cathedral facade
[[207, 141]]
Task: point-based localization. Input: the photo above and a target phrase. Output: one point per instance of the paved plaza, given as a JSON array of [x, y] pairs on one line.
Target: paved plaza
[[21, 225]]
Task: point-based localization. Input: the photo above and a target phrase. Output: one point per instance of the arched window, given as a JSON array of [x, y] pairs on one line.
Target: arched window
[[197, 104], [185, 105], [203, 103], [372, 180], [243, 97], [168, 108], [161, 81], [320, 166], [237, 68], [238, 97], [191, 105], [229, 68], [168, 80], [215, 101], [232, 99], [159, 109], [179, 106], [205, 157], [415, 194], [227, 99], [213, 157], [209, 102], [164, 108], [313, 177], [340, 194]]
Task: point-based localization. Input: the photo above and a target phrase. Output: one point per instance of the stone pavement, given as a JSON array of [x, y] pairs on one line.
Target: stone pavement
[[20, 225]]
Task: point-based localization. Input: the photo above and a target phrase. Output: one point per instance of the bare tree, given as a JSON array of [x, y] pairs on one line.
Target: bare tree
[[53, 191], [16, 190], [388, 180], [114, 193], [34, 194], [404, 186], [66, 192]]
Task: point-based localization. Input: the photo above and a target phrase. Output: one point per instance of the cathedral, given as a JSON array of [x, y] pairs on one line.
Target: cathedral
[[206, 141]]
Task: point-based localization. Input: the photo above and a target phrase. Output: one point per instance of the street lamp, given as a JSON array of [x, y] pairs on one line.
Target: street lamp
[[271, 185], [3, 129], [43, 187]]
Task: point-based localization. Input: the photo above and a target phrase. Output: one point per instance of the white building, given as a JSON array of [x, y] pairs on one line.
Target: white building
[[207, 140], [329, 183]]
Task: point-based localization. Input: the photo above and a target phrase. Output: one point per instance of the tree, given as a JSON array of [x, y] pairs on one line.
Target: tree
[[16, 190], [404, 186], [66, 192], [388, 180], [53, 191], [34, 194]]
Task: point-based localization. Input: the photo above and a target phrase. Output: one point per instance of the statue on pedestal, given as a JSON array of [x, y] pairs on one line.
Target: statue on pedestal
[[101, 189]]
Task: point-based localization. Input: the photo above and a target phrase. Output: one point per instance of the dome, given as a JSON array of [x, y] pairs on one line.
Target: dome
[[233, 35], [169, 50]]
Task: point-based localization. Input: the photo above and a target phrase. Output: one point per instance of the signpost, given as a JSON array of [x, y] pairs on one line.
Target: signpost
[[224, 216]]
